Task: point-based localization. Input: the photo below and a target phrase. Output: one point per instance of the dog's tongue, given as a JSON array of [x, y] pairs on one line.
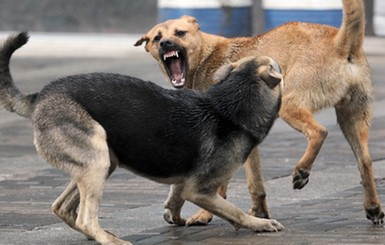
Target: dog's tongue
[[176, 69]]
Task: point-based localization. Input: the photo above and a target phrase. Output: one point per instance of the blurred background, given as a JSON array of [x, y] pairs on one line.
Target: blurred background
[[224, 17]]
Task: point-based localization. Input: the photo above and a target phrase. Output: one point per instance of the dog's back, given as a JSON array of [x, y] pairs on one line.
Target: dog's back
[[148, 128], [157, 132]]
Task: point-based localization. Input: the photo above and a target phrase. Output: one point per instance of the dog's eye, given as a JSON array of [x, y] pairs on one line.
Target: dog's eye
[[157, 38], [180, 33]]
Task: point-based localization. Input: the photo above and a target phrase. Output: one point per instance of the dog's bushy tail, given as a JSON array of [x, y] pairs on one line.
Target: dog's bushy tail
[[350, 37], [11, 98]]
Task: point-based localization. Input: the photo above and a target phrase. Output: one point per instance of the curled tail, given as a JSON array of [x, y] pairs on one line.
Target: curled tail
[[10, 96], [350, 37]]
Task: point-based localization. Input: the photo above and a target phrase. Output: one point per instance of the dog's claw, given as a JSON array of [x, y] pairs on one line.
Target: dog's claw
[[277, 226], [300, 178]]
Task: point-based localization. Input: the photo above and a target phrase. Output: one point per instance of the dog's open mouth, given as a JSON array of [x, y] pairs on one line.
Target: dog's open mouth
[[175, 64]]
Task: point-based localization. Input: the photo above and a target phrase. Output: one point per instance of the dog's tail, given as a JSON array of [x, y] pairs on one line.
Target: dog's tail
[[351, 34], [10, 96]]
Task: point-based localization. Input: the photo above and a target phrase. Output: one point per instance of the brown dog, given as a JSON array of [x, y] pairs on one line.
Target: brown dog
[[322, 67]]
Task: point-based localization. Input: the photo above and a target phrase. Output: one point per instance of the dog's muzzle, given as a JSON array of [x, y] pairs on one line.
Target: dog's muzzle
[[174, 60]]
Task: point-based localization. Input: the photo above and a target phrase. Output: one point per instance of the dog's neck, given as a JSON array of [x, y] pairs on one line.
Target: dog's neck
[[236, 97], [217, 51], [209, 43]]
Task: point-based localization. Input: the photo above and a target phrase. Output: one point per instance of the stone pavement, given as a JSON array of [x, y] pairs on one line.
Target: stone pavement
[[327, 211]]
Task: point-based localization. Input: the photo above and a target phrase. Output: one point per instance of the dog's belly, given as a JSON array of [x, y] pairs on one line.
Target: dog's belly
[[154, 143], [154, 157]]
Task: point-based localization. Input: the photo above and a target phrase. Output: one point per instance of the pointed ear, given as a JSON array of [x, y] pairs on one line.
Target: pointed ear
[[223, 72], [271, 73], [141, 40], [191, 20]]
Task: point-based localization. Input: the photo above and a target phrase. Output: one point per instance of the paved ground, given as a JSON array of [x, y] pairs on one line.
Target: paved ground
[[327, 211]]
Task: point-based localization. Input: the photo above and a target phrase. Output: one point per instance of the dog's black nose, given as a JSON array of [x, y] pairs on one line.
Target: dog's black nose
[[167, 44]]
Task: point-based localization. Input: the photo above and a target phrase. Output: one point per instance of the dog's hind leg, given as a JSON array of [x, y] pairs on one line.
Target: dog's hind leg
[[80, 149], [67, 203], [214, 203], [65, 206], [301, 119], [173, 205], [354, 123], [90, 182], [255, 186]]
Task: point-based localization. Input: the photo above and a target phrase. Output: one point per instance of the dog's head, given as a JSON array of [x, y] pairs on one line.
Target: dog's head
[[265, 68], [174, 44]]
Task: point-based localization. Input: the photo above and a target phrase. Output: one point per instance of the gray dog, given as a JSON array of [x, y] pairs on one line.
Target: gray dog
[[87, 125]]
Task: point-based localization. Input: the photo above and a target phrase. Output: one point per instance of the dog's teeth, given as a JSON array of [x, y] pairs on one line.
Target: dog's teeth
[[171, 54]]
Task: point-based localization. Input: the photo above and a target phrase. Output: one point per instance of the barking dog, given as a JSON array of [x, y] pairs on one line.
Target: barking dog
[[322, 67], [89, 124]]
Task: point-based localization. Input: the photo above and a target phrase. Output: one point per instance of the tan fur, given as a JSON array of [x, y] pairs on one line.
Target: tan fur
[[322, 67]]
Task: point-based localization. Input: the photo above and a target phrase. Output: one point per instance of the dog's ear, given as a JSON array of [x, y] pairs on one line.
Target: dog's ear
[[144, 38], [271, 73], [191, 20], [223, 72]]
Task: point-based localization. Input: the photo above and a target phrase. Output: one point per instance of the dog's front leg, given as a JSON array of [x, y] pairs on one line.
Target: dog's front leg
[[217, 205], [255, 186], [203, 217], [173, 205], [301, 119]]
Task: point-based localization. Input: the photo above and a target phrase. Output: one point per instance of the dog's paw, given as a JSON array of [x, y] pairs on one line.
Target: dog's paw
[[375, 214], [119, 242], [173, 219], [259, 213], [270, 225], [300, 178], [203, 217], [90, 238]]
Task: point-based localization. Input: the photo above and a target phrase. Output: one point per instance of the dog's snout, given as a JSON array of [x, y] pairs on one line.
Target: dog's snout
[[167, 43]]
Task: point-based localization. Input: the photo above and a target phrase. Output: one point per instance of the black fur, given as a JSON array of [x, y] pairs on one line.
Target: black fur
[[159, 132]]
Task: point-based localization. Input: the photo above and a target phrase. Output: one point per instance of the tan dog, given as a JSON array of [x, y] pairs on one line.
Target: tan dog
[[322, 67]]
